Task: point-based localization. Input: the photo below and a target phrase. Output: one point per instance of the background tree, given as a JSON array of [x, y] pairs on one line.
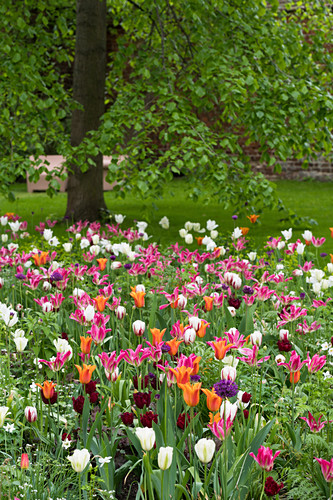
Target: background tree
[[189, 85]]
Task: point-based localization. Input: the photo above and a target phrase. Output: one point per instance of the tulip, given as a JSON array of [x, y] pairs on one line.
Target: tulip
[[209, 301], [40, 258], [30, 413], [173, 344], [182, 374], [89, 313], [253, 218], [191, 393], [256, 338], [102, 263], [47, 389], [316, 363], [157, 335], [201, 332], [21, 343], [146, 437], [164, 457], [213, 400], [220, 347], [139, 298], [85, 373], [120, 312], [189, 335], [265, 458], [79, 459], [3, 413], [315, 426], [205, 449], [139, 327], [100, 302], [24, 461], [229, 373], [86, 344], [326, 469]]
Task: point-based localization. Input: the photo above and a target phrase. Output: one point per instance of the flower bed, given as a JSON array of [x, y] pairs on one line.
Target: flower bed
[[132, 371]]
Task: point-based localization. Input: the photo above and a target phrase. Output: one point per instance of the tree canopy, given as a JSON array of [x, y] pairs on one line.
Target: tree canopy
[[188, 86]]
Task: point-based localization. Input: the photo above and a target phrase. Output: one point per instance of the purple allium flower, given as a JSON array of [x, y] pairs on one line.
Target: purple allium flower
[[112, 257], [302, 295], [195, 378], [127, 266], [323, 254], [234, 217], [248, 290], [56, 276], [225, 287], [20, 276], [165, 348], [226, 388]]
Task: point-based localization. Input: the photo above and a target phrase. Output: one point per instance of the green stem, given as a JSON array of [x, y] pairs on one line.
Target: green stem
[[80, 485], [293, 403], [162, 486], [263, 485]]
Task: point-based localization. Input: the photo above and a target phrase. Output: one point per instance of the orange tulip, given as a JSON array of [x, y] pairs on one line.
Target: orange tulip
[[213, 400], [331, 255], [102, 263], [191, 393], [331, 229], [182, 374], [202, 330], [209, 301], [253, 218], [85, 344], [40, 258], [48, 389], [199, 240], [157, 335], [139, 298], [294, 377], [100, 302], [174, 304], [85, 373], [220, 348], [10, 215], [308, 243], [173, 344], [245, 230], [195, 368]]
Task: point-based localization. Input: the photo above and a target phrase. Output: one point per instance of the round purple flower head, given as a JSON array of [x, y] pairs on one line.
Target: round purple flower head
[[234, 217], [226, 388]]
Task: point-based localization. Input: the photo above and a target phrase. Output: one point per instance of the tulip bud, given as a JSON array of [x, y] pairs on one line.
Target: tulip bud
[[228, 373], [24, 461], [21, 343], [195, 322], [146, 437], [256, 338], [164, 457], [188, 239], [139, 327], [120, 312], [79, 459], [205, 449], [189, 336], [30, 413], [115, 265], [47, 307], [284, 334], [89, 312]]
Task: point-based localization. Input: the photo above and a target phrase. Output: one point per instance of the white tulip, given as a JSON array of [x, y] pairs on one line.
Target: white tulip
[[119, 218], [287, 234], [252, 256], [120, 312], [67, 247], [14, 226], [164, 457], [194, 322], [256, 338], [237, 233], [229, 373], [211, 225], [205, 449], [48, 233], [21, 343], [182, 232], [89, 312], [164, 223], [188, 239], [146, 437], [79, 459], [228, 410], [3, 220], [95, 239], [307, 235], [4, 238], [139, 327], [189, 336]]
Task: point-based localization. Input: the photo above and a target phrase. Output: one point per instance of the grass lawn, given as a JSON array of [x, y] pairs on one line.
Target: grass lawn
[[307, 198]]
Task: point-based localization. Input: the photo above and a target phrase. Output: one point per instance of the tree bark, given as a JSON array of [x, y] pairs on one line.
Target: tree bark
[[85, 198]]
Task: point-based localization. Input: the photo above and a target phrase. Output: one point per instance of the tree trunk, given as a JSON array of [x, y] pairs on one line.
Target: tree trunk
[[85, 190]]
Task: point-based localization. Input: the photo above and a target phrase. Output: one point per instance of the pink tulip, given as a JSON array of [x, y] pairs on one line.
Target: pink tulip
[[250, 357], [265, 458], [326, 469], [317, 242], [315, 363], [59, 362], [295, 363], [315, 426]]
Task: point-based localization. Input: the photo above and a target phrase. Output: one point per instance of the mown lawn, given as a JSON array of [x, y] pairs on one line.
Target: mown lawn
[[310, 199]]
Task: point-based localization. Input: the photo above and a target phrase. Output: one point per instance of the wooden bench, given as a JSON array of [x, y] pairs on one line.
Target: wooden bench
[[53, 163]]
